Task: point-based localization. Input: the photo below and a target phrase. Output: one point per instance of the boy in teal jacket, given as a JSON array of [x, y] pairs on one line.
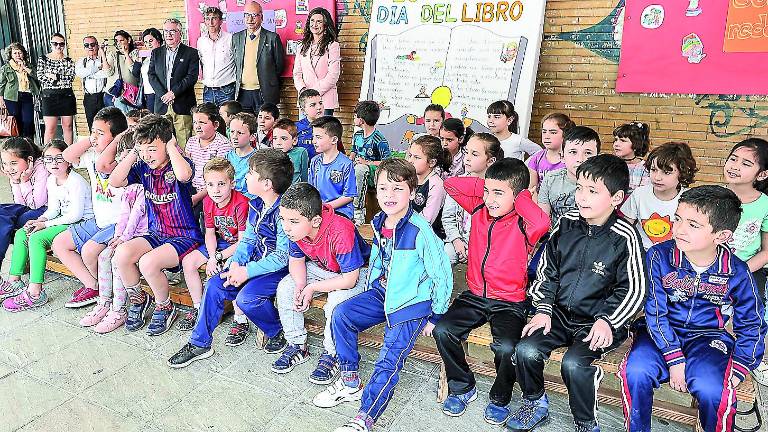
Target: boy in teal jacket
[[409, 286]]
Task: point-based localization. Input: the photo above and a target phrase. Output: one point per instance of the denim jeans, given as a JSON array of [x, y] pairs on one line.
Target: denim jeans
[[219, 95]]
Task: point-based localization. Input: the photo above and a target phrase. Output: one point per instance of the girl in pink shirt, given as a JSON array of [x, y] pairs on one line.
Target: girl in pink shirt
[[207, 143], [23, 165]]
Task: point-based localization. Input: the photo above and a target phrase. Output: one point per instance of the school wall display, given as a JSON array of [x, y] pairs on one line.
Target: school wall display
[[286, 17], [674, 46], [461, 55]]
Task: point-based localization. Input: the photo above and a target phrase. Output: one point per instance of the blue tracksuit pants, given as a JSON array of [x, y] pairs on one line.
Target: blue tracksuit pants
[[707, 375], [360, 313], [255, 298], [13, 217]]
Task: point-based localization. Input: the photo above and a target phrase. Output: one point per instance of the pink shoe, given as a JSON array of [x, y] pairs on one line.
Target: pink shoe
[[24, 302], [95, 316], [112, 321], [83, 297]]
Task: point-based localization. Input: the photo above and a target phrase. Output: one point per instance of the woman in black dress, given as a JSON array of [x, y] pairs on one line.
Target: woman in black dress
[[56, 72]]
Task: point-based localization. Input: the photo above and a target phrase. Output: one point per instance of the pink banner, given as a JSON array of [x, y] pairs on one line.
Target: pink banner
[[286, 17], [674, 46]]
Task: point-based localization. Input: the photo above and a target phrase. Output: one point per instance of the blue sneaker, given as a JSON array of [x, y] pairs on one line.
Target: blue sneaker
[[137, 309], [590, 427], [531, 413], [293, 356], [455, 405], [326, 371], [496, 414], [162, 319]]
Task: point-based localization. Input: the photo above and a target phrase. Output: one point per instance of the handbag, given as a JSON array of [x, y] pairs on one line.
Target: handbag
[[130, 94], [9, 127]]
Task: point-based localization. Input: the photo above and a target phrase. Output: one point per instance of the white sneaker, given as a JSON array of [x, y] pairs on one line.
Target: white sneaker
[[760, 374], [354, 425], [337, 393]]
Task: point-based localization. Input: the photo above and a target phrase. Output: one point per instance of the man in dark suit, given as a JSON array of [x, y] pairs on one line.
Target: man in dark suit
[[173, 71], [259, 61]]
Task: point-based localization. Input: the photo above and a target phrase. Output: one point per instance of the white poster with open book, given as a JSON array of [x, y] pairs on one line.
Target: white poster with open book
[[463, 56]]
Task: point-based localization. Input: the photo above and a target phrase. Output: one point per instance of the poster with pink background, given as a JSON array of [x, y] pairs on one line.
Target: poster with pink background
[[674, 46], [286, 17]]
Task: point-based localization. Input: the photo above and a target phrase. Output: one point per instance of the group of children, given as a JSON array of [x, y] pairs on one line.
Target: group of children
[[565, 249]]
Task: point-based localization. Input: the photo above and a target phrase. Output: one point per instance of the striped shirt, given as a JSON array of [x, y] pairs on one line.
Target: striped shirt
[[219, 147]]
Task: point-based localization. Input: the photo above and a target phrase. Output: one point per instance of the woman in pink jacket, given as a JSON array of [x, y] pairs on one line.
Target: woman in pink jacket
[[318, 62]]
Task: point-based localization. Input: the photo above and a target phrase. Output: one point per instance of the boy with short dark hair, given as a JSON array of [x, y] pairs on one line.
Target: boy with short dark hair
[[409, 286], [311, 104], [268, 115], [369, 148], [505, 224], [225, 212], [682, 337], [589, 284], [251, 275], [557, 191], [173, 229], [242, 135], [229, 109], [327, 255], [284, 139], [331, 171], [79, 246]]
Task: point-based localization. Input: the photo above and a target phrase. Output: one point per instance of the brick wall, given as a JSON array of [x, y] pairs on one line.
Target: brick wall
[[577, 74]]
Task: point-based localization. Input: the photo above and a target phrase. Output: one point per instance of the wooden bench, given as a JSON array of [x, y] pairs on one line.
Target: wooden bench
[[678, 408]]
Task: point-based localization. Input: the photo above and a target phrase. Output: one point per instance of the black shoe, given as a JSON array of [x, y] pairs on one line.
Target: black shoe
[[188, 322], [237, 334], [137, 309], [188, 354], [276, 344]]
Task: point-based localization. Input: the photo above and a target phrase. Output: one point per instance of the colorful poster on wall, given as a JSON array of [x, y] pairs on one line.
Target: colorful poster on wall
[[670, 46], [286, 17], [461, 55]]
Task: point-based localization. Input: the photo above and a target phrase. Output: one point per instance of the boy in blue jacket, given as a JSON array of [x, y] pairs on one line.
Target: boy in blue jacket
[[409, 286], [256, 267], [682, 338]]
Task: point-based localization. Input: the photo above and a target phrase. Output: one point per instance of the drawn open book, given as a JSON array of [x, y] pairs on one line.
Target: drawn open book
[[463, 68]]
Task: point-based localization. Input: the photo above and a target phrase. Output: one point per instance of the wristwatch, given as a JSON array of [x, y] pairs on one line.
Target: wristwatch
[[219, 257]]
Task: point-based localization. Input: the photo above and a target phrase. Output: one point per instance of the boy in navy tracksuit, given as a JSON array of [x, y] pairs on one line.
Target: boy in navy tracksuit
[[682, 338], [589, 284], [255, 269], [409, 286]]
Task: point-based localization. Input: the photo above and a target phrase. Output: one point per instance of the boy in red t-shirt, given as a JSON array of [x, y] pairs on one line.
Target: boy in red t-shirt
[[226, 214]]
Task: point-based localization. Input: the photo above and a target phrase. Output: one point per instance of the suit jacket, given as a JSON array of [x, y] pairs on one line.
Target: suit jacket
[[269, 66], [184, 74]]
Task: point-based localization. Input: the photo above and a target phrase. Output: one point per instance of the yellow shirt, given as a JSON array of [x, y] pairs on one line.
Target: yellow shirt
[[250, 59]]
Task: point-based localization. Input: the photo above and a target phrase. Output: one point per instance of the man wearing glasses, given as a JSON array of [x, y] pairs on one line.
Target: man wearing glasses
[[173, 71], [259, 61], [89, 68], [216, 59]]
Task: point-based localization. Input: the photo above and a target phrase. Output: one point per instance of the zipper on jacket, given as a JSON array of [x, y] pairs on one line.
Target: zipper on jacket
[[391, 258], [485, 258], [581, 268], [696, 283]]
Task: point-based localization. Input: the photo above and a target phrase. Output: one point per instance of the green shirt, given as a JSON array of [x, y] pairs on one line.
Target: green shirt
[[747, 239], [300, 161]]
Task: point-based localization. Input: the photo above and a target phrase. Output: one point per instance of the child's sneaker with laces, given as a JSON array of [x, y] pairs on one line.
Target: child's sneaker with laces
[[10, 289], [188, 354], [24, 301], [326, 371], [82, 297], [188, 322], [532, 413], [162, 319], [337, 393], [456, 405], [111, 322], [137, 309], [496, 414], [238, 333], [293, 356], [95, 316], [276, 344]]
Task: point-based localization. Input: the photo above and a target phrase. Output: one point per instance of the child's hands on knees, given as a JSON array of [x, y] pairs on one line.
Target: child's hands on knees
[[303, 298], [539, 321], [427, 330], [236, 275], [677, 377], [115, 242], [212, 267], [461, 249], [600, 336], [33, 226], [735, 381]]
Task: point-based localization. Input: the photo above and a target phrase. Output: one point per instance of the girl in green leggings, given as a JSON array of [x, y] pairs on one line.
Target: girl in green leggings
[[69, 201]]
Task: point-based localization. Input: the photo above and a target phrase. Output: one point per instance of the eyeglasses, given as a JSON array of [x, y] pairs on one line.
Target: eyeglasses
[[59, 44], [53, 159], [90, 45], [253, 14], [171, 31]]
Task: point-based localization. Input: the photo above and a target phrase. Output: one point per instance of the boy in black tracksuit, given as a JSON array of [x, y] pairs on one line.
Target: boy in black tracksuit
[[590, 283]]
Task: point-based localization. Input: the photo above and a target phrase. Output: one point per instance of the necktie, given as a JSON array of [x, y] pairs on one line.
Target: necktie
[[253, 36]]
